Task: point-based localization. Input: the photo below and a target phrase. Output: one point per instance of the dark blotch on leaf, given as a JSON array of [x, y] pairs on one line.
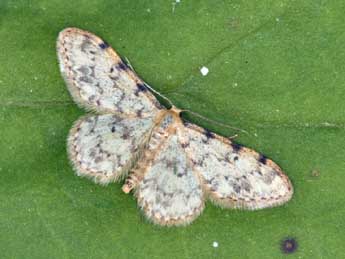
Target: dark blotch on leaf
[[288, 245], [103, 45], [113, 129]]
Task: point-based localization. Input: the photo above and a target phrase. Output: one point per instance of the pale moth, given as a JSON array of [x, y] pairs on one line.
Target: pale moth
[[173, 166]]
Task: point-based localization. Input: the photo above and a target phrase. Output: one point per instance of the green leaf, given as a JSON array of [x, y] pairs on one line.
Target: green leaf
[[276, 70]]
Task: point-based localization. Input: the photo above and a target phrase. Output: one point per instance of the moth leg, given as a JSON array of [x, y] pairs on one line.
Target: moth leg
[[132, 181]]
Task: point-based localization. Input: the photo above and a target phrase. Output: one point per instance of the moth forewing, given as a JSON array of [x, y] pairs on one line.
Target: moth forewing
[[98, 79]]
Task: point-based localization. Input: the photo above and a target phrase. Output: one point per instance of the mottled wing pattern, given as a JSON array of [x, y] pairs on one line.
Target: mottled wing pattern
[[169, 192], [98, 79], [105, 147], [173, 165], [235, 176]]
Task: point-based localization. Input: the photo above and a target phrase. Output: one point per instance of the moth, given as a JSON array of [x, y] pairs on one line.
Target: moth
[[172, 165]]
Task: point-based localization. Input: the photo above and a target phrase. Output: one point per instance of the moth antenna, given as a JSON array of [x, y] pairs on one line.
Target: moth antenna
[[149, 87], [160, 95], [191, 112], [233, 137], [216, 122], [128, 63]]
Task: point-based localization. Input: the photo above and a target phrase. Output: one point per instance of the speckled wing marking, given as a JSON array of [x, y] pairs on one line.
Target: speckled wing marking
[[105, 147], [98, 79], [235, 176], [173, 165], [169, 192]]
